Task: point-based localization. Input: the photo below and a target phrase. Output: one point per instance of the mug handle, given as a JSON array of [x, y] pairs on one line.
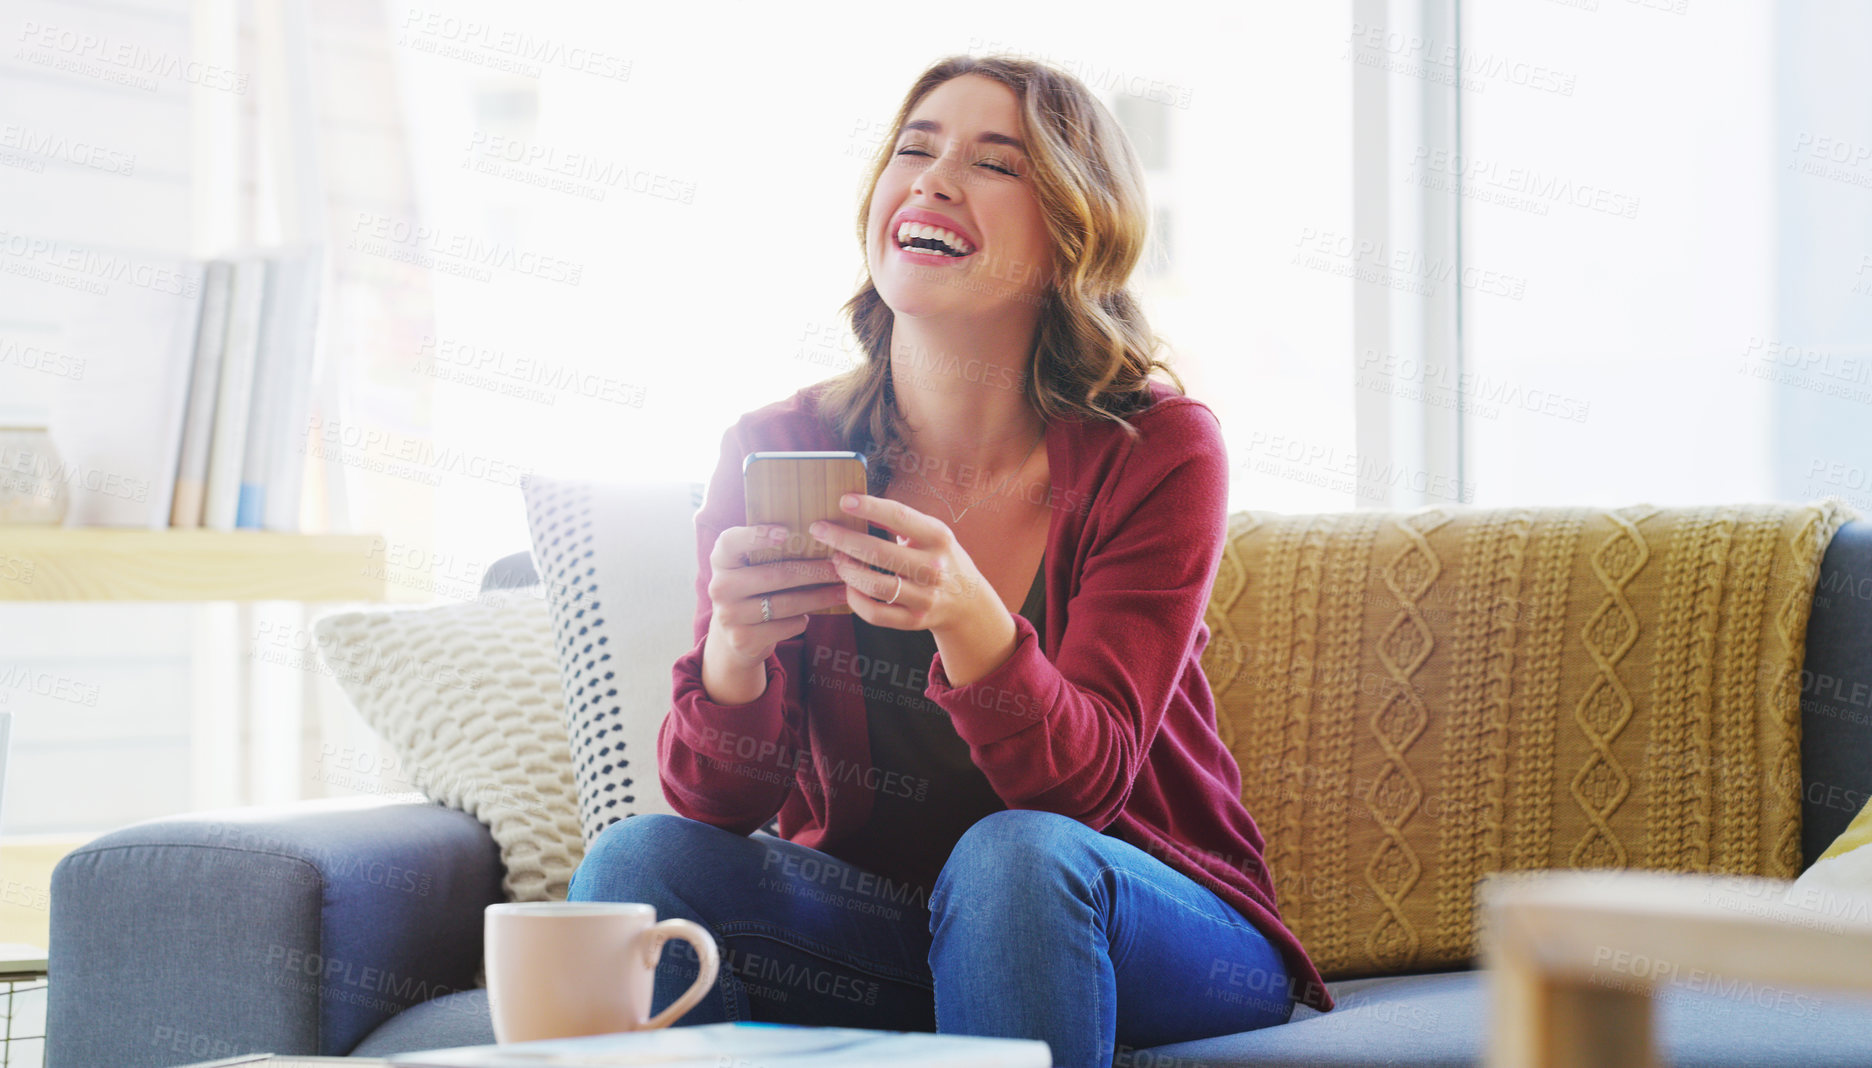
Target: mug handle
[[693, 934]]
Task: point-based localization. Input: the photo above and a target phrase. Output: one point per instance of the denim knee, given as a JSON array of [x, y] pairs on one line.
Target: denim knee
[[635, 859], [1010, 864], [1013, 843]]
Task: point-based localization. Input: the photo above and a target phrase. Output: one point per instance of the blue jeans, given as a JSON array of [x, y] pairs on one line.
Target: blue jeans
[[1038, 927]]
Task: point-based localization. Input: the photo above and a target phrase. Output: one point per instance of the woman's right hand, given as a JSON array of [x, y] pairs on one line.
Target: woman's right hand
[[735, 589]]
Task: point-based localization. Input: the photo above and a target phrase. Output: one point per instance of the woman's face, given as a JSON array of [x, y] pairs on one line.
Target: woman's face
[[952, 168]]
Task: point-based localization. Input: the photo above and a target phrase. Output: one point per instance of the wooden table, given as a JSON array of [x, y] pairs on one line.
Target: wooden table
[[1574, 957]]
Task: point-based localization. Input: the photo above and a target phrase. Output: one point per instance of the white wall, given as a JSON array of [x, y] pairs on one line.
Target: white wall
[[94, 150]]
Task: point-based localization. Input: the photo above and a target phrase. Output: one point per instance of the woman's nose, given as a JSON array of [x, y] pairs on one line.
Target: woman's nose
[[938, 180]]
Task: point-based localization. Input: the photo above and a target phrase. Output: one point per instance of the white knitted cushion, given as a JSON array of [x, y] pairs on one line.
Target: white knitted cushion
[[619, 566], [468, 698]]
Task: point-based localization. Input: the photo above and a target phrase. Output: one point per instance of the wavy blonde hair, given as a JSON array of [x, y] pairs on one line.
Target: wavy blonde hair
[[1094, 350]]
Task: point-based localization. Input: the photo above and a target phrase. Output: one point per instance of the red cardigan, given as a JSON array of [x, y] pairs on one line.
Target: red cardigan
[[1117, 730]]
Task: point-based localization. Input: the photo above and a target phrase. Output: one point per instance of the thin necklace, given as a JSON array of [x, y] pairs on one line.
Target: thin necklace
[[955, 516]]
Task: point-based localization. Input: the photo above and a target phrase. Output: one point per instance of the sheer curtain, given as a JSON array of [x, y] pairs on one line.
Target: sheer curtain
[[637, 223], [1691, 218]]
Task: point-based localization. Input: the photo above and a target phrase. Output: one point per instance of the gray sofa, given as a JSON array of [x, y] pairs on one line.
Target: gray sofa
[[354, 927]]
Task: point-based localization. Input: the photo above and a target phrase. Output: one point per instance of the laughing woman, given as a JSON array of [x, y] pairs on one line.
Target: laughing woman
[[1003, 808]]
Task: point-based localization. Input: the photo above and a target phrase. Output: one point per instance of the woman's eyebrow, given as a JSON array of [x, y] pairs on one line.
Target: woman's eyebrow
[[986, 137]]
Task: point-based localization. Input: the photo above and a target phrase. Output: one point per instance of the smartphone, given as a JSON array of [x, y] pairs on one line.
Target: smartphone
[[795, 488]]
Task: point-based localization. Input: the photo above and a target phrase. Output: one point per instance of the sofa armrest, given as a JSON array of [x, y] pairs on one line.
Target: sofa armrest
[[296, 929]]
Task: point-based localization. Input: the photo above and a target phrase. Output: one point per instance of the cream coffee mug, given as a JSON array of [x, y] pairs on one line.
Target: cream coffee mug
[[559, 969]]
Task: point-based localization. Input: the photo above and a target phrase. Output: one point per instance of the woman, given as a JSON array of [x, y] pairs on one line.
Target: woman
[[1003, 807]]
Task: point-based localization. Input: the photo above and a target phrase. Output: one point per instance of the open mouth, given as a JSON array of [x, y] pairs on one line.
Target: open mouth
[[933, 241]]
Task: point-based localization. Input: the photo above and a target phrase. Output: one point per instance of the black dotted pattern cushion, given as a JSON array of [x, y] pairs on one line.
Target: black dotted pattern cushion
[[619, 566]]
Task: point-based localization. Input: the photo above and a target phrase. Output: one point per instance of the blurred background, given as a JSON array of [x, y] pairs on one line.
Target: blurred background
[[1487, 252]]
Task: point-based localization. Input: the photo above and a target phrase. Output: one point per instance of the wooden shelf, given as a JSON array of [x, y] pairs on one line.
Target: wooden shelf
[[98, 564], [21, 962]]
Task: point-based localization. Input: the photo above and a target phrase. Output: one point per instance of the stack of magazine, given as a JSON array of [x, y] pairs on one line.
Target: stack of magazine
[[240, 442], [724, 1045], [186, 395], [747, 1045]]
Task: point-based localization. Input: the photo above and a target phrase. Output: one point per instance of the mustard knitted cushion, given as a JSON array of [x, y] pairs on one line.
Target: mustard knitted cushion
[[1418, 699]]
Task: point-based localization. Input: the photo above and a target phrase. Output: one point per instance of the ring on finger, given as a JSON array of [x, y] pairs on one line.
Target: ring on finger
[[766, 608], [897, 592]]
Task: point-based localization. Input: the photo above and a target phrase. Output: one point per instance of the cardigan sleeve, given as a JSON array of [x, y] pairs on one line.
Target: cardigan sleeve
[[1070, 735], [728, 765]]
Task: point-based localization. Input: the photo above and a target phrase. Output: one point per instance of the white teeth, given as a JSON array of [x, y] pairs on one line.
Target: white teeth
[[954, 240]]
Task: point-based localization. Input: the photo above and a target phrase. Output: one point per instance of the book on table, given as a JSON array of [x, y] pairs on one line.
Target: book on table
[[746, 1045]]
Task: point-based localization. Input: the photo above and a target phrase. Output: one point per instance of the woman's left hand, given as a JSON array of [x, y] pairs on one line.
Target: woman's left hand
[[941, 585]]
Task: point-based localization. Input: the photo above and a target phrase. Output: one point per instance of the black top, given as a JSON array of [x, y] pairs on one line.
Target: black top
[[925, 788]]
